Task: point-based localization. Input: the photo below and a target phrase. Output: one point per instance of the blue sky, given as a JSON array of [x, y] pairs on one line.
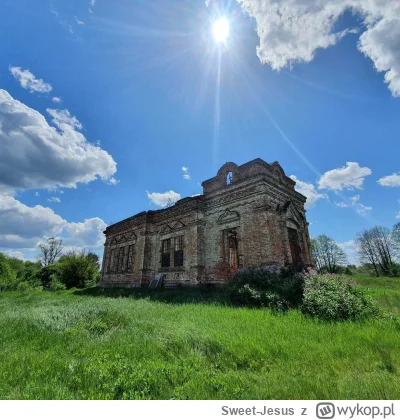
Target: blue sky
[[103, 103]]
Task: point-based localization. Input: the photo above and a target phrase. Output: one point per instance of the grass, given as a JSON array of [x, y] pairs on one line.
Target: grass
[[188, 344], [385, 290]]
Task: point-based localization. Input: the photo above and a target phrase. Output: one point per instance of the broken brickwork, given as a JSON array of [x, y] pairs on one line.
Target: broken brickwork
[[247, 215]]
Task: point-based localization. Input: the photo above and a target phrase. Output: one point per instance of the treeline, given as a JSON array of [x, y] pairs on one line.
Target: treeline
[[54, 270], [378, 249]]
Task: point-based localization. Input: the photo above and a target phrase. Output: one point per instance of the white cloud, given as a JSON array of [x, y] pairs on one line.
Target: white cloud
[[347, 177], [186, 174], [398, 216], [24, 227], [355, 203], [86, 234], [92, 2], [35, 155], [54, 200], [164, 199], [309, 191], [390, 180], [381, 44], [37, 194], [28, 80], [14, 254], [350, 249], [113, 181], [63, 119], [56, 99], [64, 23], [292, 31], [79, 22], [362, 210]]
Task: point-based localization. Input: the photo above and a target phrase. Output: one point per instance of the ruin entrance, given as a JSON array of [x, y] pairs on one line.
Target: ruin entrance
[[294, 246], [231, 254]]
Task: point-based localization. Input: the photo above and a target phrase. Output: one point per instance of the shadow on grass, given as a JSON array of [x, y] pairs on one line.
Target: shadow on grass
[[178, 296]]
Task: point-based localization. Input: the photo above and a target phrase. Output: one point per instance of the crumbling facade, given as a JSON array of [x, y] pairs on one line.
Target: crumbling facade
[[247, 215]]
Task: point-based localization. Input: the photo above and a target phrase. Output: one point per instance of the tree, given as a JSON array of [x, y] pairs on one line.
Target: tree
[[94, 258], [50, 252], [396, 237], [327, 254], [77, 269], [15, 264], [377, 247], [7, 275]]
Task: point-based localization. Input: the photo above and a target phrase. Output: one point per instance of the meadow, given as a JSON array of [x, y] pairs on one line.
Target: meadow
[[191, 344]]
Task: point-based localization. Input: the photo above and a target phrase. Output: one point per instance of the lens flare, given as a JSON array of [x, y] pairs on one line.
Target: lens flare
[[220, 30]]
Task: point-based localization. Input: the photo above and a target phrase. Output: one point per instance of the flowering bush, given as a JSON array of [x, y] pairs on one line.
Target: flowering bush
[[269, 286], [328, 296], [335, 298]]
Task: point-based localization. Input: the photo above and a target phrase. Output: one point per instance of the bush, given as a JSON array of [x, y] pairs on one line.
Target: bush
[[267, 287], [335, 298], [394, 270], [18, 275], [55, 284], [8, 279], [248, 296], [47, 275], [78, 270]]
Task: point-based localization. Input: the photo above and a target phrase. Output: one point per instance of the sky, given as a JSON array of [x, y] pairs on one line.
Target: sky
[[110, 108]]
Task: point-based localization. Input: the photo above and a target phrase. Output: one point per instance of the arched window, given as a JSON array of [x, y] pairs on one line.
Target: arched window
[[229, 178]]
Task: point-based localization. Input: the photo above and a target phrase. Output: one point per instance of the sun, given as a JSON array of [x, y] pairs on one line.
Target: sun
[[220, 30]]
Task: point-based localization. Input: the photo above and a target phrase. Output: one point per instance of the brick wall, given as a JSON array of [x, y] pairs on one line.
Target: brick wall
[[259, 206]]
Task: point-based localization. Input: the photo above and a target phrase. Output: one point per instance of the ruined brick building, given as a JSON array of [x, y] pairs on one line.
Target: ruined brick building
[[247, 215]]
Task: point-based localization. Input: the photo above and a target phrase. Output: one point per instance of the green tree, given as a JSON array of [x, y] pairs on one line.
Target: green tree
[[15, 264], [77, 269], [8, 280]]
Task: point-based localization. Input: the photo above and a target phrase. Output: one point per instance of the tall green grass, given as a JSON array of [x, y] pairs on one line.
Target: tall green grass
[[385, 290], [188, 345]]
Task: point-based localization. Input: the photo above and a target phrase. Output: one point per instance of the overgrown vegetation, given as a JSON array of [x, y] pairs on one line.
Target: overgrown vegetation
[[190, 344], [380, 248], [326, 296], [336, 298], [18, 275], [269, 287], [53, 271]]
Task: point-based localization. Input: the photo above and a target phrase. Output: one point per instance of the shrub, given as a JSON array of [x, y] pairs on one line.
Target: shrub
[[335, 298], [55, 284], [78, 270], [248, 296], [8, 280], [267, 287], [18, 275], [48, 275]]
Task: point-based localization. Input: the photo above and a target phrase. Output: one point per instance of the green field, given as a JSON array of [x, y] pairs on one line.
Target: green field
[[189, 344]]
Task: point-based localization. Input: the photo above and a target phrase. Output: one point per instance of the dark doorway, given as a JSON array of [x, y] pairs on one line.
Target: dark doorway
[[232, 249], [294, 246]]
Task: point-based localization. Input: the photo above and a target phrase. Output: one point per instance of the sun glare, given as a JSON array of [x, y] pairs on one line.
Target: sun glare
[[220, 30]]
